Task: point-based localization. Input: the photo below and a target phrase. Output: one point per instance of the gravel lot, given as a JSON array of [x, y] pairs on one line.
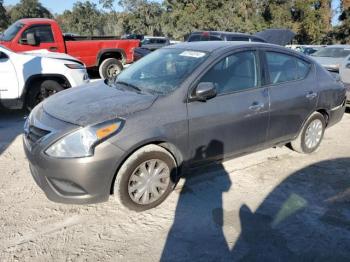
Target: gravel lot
[[274, 205]]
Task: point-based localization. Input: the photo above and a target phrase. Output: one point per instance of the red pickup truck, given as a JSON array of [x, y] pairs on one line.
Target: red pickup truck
[[107, 54]]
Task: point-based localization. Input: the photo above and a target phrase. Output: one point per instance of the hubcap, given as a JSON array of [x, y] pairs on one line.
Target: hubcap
[[113, 71], [149, 181], [313, 134]]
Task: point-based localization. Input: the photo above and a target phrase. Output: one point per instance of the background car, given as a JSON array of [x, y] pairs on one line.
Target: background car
[[28, 78], [222, 36], [306, 49], [344, 73], [106, 54], [154, 42], [331, 57]]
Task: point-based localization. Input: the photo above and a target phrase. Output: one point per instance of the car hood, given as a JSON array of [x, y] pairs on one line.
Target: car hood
[[95, 103], [47, 54]]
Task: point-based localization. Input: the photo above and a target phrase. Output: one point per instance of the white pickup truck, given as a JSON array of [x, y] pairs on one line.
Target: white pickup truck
[[28, 78]]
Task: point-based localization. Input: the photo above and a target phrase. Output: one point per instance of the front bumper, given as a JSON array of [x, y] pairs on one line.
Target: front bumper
[[73, 181]]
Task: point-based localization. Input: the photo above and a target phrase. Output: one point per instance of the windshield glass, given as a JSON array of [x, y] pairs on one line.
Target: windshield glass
[[162, 71], [11, 32], [334, 52]]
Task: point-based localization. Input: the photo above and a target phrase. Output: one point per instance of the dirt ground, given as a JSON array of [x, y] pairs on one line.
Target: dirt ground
[[274, 205]]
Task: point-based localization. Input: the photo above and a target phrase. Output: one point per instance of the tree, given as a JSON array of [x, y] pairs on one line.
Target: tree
[[84, 19], [29, 9], [4, 18]]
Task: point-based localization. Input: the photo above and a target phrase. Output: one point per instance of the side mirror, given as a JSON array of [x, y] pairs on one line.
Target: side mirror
[[205, 91], [32, 39]]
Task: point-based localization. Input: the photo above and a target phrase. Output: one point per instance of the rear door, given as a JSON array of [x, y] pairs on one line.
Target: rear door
[[236, 120], [293, 94]]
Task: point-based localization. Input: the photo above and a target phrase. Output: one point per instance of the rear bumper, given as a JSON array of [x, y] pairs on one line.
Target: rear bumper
[[347, 86], [336, 114]]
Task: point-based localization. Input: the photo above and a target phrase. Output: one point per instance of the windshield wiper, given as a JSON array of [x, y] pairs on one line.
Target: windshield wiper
[[129, 85]]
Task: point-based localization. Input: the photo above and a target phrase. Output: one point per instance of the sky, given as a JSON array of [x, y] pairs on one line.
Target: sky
[[55, 6], [58, 6]]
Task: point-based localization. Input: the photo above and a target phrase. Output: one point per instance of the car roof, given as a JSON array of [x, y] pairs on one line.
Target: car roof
[[155, 37], [35, 20], [222, 32], [211, 46], [338, 46]]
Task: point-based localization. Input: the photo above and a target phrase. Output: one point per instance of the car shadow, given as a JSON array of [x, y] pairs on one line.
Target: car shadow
[[11, 126], [305, 218], [194, 236]]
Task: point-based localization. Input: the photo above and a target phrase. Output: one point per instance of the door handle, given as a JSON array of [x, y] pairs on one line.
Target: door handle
[[311, 95], [53, 48], [256, 106]]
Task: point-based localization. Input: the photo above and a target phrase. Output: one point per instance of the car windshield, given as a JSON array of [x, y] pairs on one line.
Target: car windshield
[[162, 71], [11, 32], [334, 52]]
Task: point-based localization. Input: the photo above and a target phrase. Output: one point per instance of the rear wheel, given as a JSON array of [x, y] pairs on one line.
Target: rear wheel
[[41, 90], [311, 135], [146, 178], [110, 68]]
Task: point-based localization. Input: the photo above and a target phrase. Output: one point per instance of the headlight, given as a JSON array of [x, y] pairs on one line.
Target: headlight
[[75, 66], [82, 142]]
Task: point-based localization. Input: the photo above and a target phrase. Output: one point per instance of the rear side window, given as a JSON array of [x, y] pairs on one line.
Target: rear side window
[[161, 41], [43, 32], [234, 73], [284, 68]]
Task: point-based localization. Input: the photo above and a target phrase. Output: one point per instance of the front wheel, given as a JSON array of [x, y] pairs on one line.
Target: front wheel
[[41, 90], [146, 178], [110, 68], [311, 135]]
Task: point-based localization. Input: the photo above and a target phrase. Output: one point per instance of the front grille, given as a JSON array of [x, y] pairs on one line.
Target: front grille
[[36, 134]]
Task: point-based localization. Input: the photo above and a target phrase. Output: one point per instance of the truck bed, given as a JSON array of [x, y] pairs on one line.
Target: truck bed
[[88, 50], [87, 38]]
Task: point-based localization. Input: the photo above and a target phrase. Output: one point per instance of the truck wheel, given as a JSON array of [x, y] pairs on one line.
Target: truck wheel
[[146, 178], [311, 135], [41, 90], [110, 68]]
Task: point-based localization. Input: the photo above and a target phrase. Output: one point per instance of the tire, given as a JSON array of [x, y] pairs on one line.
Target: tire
[[124, 183], [305, 145], [41, 90], [110, 68]]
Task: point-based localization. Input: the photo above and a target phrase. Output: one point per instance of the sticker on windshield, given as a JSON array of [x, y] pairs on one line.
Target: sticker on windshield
[[194, 54]]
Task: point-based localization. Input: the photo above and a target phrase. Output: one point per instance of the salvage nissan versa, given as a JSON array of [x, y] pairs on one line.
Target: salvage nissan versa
[[177, 108]]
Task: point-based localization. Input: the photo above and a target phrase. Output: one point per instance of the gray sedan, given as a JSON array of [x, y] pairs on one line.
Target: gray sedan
[[331, 57], [178, 108]]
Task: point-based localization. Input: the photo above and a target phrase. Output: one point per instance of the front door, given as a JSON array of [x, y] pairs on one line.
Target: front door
[[43, 34], [8, 78], [236, 120]]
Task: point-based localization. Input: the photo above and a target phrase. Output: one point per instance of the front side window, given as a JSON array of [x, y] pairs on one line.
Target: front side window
[[284, 68], [162, 71], [234, 73], [42, 32]]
